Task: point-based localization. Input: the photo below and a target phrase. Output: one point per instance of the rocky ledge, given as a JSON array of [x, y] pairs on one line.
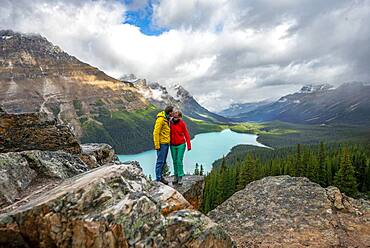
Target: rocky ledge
[[192, 189], [35, 131], [111, 206], [21, 172], [95, 155], [294, 212]]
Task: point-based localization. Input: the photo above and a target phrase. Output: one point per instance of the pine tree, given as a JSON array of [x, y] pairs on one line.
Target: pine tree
[[150, 178], [241, 180], [290, 167], [367, 177], [305, 164], [345, 178], [196, 171], [247, 172], [329, 173], [201, 172], [223, 165], [275, 168], [359, 162], [206, 206], [322, 177], [220, 187], [298, 161], [313, 168]]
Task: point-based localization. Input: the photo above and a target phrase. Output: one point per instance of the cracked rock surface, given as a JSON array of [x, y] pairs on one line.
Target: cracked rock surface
[[20, 171], [110, 206], [289, 211]]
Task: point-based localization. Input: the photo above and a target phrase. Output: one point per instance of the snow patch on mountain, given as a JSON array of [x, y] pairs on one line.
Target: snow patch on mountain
[[312, 88], [6, 37]]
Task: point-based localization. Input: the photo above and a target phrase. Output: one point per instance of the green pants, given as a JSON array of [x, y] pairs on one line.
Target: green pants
[[177, 153]]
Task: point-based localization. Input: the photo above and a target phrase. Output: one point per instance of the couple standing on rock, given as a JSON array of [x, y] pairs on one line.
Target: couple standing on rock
[[170, 132]]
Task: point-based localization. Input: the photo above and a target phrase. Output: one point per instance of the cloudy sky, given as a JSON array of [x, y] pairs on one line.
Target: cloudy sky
[[222, 51]]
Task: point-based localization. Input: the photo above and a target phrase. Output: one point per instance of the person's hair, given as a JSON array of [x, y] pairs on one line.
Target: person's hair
[[178, 114], [168, 109]]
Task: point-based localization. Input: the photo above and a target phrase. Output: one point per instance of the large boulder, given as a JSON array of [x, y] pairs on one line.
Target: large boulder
[[192, 189], [293, 212], [111, 206], [97, 154], [19, 171], [35, 131]]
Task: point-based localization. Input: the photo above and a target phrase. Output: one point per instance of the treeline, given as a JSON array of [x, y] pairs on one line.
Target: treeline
[[344, 166]]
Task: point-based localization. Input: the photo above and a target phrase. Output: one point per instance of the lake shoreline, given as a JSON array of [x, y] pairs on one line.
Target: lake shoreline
[[207, 148]]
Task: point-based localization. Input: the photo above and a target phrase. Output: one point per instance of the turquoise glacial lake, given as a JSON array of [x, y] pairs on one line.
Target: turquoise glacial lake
[[206, 148]]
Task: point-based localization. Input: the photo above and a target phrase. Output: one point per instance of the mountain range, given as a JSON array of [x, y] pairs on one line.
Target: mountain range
[[37, 76], [313, 104]]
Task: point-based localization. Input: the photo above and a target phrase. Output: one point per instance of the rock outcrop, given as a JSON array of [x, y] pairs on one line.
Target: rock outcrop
[[192, 189], [35, 131], [294, 212], [95, 154], [111, 206], [22, 172]]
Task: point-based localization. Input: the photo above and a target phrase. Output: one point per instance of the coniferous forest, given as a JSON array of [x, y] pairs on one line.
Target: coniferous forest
[[346, 166]]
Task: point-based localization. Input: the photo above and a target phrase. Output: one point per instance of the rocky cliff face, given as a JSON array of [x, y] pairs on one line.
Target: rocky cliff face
[[35, 131], [36, 153], [37, 76], [111, 206], [192, 189], [294, 212]]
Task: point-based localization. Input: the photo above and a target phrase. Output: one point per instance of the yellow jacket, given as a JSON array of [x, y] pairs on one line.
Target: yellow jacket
[[161, 133]]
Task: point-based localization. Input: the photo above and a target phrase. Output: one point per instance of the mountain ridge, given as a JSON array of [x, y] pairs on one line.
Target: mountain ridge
[[322, 104], [175, 95]]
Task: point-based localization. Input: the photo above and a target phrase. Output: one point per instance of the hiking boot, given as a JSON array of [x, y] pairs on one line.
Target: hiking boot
[[179, 181], [175, 181], [164, 181]]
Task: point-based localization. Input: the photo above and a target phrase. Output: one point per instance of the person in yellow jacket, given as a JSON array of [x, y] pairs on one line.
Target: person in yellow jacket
[[161, 137]]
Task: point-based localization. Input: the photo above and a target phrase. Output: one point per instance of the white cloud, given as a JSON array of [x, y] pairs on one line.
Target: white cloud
[[221, 51]]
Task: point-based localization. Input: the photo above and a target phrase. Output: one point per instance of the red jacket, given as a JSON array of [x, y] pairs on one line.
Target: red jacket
[[180, 134]]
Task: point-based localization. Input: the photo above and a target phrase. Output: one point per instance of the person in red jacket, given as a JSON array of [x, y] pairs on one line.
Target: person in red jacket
[[179, 137]]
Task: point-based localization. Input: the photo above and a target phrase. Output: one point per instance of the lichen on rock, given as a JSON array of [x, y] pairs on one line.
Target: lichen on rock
[[35, 131], [19, 170], [97, 154], [289, 211], [110, 206]]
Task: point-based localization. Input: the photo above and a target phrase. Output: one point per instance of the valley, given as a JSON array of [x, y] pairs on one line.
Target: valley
[[55, 111]]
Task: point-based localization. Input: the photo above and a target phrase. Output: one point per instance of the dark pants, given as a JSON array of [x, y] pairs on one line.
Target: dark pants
[[161, 160]]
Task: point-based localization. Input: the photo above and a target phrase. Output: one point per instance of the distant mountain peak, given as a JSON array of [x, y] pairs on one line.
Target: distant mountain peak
[[182, 93], [130, 78]]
